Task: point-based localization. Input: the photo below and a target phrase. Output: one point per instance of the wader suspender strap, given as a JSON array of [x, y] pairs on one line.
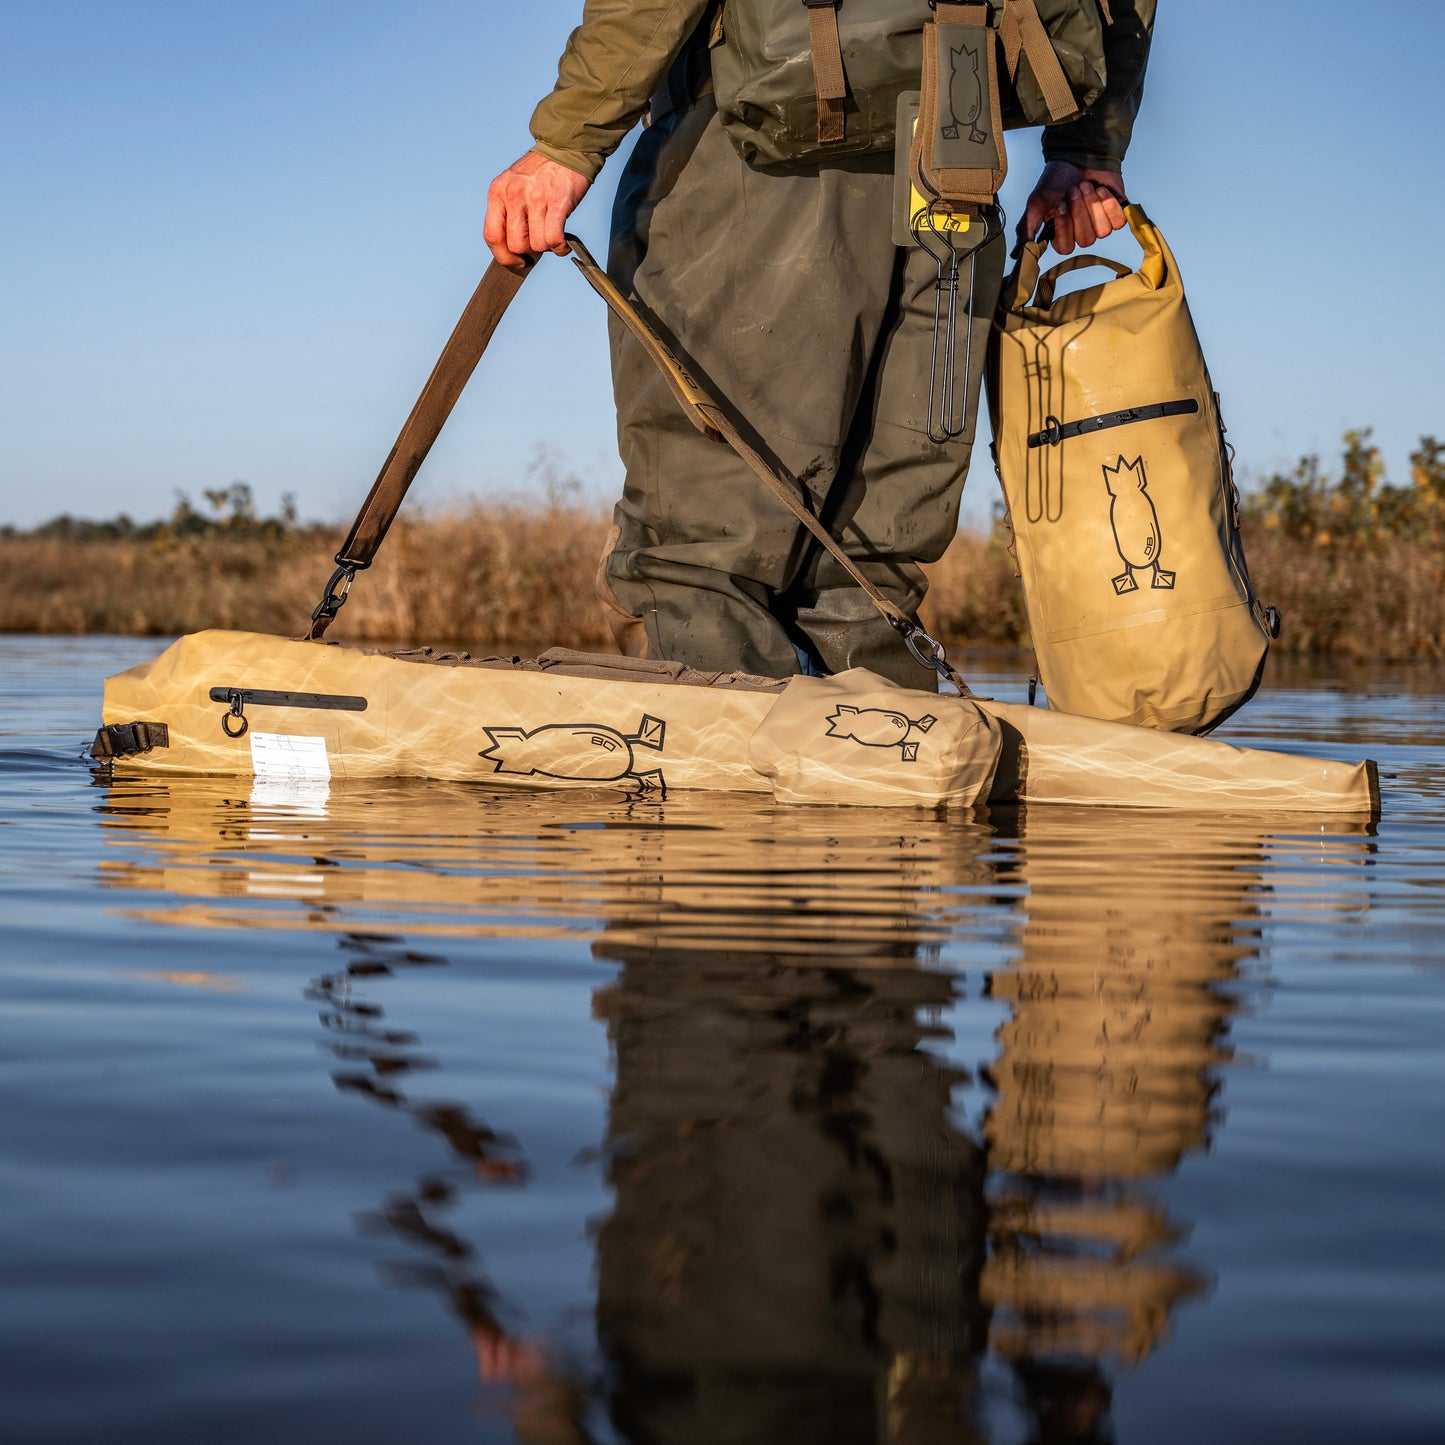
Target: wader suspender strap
[[1021, 29], [829, 81], [453, 370], [713, 421]]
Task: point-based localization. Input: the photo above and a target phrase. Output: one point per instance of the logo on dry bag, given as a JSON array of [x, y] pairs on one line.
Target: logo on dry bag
[[965, 95], [1136, 526], [585, 752], [875, 727]]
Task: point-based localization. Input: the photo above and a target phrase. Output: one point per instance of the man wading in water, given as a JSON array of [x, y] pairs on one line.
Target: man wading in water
[[783, 290]]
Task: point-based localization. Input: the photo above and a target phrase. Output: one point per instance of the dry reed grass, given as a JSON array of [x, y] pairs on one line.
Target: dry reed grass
[[486, 576], [521, 577], [1382, 600]]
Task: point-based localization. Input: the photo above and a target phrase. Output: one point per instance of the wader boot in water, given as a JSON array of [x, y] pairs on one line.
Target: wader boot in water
[[786, 295]]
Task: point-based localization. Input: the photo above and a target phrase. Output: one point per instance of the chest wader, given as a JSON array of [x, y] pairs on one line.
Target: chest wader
[[788, 299], [857, 363]]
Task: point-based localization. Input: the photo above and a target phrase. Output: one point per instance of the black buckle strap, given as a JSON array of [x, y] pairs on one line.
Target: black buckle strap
[[1056, 431], [120, 740]]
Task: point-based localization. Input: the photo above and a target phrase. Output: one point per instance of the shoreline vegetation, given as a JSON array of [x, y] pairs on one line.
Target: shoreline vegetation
[[1355, 564]]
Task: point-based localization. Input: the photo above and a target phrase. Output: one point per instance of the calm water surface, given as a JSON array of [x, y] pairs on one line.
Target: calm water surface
[[418, 1112]]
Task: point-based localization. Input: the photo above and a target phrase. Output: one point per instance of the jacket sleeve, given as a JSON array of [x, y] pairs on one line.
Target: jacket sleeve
[[613, 63], [1101, 135]]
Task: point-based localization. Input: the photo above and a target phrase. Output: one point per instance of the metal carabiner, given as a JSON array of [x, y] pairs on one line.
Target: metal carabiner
[[335, 599], [237, 710], [929, 652]]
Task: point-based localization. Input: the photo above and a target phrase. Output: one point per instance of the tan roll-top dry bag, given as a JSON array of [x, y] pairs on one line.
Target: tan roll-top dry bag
[[1115, 471]]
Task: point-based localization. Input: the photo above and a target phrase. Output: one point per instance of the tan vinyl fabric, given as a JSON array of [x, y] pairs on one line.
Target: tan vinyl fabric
[[496, 724], [857, 738], [1127, 535], [570, 720]]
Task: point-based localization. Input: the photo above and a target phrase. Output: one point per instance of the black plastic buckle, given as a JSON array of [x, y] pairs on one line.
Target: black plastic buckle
[[122, 740]]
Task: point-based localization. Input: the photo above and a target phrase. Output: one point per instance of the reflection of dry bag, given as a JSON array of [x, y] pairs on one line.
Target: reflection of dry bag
[[1111, 452]]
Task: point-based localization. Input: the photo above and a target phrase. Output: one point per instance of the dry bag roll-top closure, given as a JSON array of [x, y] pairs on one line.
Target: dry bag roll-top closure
[[806, 82]]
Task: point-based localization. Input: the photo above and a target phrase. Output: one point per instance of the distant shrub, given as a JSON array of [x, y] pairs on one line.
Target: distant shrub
[[1357, 508], [1355, 564], [232, 513]]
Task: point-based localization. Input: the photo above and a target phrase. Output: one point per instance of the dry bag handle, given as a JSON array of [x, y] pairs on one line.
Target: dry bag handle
[[1020, 284], [1044, 291]]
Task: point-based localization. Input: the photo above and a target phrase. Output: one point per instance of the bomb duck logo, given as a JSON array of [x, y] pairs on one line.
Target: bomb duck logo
[[876, 727], [584, 753], [1136, 527], [965, 95]]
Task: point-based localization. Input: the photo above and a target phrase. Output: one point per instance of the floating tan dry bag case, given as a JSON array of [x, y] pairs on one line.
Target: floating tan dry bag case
[[1111, 452]]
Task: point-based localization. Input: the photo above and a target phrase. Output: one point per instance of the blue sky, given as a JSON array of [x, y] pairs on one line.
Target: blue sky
[[233, 238]]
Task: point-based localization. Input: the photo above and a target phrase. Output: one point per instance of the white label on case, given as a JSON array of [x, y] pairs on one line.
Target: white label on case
[[279, 758]]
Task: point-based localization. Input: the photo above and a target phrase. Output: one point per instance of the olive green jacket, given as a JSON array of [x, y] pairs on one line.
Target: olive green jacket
[[623, 49], [1100, 137]]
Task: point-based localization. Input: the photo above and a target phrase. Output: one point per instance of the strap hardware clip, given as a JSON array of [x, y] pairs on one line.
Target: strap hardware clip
[[333, 600], [237, 710]]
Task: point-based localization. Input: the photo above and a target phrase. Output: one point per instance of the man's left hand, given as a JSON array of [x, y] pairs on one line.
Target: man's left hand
[[1084, 204]]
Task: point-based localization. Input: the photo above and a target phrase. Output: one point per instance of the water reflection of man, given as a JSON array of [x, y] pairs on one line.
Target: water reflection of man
[[798, 1235]]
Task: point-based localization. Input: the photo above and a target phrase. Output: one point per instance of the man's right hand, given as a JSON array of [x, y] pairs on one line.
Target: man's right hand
[[527, 209]]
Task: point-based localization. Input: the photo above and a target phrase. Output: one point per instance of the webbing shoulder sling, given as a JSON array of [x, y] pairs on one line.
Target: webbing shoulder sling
[[449, 377], [459, 359]]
